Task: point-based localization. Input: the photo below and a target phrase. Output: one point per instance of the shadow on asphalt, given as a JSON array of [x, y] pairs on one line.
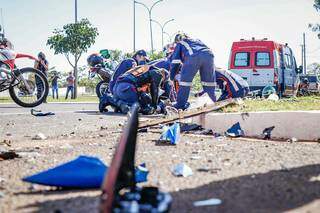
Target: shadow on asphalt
[[9, 107], [275, 191]]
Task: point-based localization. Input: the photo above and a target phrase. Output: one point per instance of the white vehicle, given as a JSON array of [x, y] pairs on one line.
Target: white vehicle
[[265, 63]]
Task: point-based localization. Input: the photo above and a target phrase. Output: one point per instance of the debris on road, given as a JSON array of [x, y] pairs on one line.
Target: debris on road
[[6, 142], [9, 155], [235, 131], [267, 132], [182, 170], [39, 113], [210, 202], [292, 140], [66, 146], [171, 134], [82, 173], [39, 136]]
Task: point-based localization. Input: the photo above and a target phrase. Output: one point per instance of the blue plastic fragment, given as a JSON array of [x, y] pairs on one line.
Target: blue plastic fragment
[[82, 173], [171, 134], [235, 131]]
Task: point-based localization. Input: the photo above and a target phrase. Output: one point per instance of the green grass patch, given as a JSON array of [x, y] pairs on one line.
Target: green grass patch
[[286, 104]]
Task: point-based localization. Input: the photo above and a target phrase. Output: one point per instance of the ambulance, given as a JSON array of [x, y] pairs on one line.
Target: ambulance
[[265, 63]]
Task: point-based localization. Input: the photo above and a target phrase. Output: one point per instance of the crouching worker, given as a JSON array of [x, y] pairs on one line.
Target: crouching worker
[[231, 85], [135, 85]]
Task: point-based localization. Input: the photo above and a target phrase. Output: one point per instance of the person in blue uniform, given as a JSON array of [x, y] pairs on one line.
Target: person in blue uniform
[[134, 84], [231, 84], [193, 55], [139, 58]]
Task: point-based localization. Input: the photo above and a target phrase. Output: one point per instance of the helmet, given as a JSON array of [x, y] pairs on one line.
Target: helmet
[[94, 59], [168, 49], [105, 53], [179, 37]]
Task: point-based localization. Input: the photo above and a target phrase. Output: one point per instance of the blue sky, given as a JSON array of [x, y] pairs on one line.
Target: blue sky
[[217, 23]]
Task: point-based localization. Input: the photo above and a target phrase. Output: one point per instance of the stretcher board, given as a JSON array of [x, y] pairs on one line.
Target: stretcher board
[[189, 113]]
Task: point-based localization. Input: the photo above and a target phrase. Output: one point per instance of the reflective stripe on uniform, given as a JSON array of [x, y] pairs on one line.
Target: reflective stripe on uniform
[[176, 61], [186, 84], [208, 84], [187, 46]]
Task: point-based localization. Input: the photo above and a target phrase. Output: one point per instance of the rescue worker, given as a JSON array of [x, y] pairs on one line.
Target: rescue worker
[[139, 58], [231, 84], [130, 85], [194, 55]]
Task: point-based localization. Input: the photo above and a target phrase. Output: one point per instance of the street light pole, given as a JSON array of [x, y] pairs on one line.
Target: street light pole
[[75, 11], [2, 24], [162, 26], [134, 25], [150, 18]]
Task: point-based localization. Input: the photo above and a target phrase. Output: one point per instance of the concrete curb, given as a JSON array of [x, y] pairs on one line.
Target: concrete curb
[[303, 125]]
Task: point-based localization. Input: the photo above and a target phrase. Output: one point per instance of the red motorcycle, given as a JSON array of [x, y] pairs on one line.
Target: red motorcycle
[[28, 87]]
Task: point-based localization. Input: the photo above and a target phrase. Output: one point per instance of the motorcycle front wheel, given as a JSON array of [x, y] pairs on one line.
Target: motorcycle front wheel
[[102, 88], [30, 89]]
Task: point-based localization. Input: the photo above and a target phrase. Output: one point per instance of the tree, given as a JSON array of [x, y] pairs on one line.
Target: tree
[[316, 27], [73, 40]]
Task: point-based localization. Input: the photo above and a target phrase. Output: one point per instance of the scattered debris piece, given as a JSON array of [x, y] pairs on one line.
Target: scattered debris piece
[[39, 136], [273, 97], [31, 154], [267, 132], [235, 131], [82, 173], [182, 170], [6, 142], [8, 155], [207, 170], [39, 113], [185, 127], [195, 157], [171, 134], [143, 130], [103, 128], [1, 194], [292, 140], [210, 202]]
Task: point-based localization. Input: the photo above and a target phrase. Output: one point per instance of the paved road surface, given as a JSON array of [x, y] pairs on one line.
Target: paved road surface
[[17, 123]]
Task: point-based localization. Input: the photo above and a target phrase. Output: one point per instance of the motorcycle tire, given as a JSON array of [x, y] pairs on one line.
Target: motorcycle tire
[[40, 100], [99, 88]]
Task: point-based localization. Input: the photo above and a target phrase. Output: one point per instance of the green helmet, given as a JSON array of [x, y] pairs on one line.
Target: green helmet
[[105, 53]]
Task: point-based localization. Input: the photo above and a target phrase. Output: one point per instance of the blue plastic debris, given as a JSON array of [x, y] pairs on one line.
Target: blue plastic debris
[[82, 173], [39, 113], [171, 134], [235, 131]]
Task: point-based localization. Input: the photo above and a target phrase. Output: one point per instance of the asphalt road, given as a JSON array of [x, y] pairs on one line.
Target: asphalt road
[[17, 123]]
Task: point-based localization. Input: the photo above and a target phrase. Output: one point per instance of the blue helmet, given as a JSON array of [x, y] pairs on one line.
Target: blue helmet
[[94, 59]]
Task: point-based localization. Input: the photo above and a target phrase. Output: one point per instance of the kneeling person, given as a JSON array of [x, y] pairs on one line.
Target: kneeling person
[[135, 84]]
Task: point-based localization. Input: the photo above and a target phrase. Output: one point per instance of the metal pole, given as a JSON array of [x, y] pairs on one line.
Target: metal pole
[[162, 26], [2, 23], [75, 11], [150, 20], [134, 25], [304, 54]]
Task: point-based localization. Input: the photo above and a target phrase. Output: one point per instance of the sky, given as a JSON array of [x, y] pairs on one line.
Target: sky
[[28, 24]]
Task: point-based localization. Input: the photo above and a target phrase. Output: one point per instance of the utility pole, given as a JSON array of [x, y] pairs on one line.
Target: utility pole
[[75, 11], [304, 54], [2, 23], [134, 25], [150, 18], [162, 26]]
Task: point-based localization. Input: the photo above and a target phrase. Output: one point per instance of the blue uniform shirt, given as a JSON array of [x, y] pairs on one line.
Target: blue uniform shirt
[[163, 63], [123, 67], [185, 48]]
